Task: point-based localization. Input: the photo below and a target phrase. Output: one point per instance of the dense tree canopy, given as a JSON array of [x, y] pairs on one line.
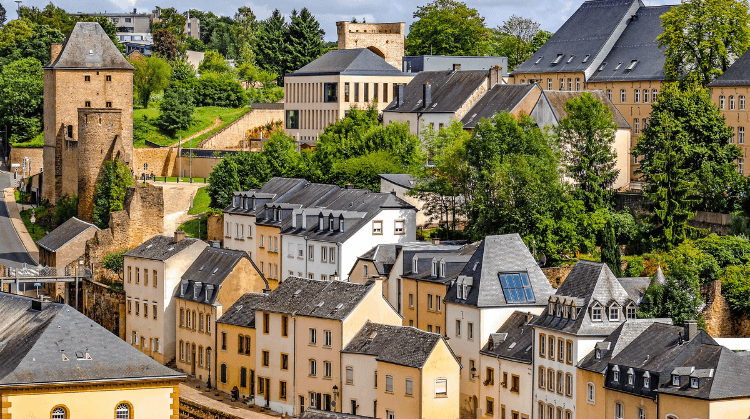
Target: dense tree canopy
[[447, 27]]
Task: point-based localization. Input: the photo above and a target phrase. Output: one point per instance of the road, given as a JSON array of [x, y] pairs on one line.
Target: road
[[12, 251]]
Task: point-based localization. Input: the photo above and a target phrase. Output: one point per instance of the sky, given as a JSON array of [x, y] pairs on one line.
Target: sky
[[549, 13]]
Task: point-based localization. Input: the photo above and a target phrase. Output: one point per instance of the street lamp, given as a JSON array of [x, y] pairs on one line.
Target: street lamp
[[335, 395], [208, 356]]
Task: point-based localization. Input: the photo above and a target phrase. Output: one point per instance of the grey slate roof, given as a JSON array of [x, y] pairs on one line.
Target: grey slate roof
[[738, 74], [54, 346], [404, 180], [513, 340], [64, 233], [242, 312], [88, 46], [558, 99], [637, 42], [504, 253], [658, 351], [501, 97], [450, 90], [586, 32], [160, 248], [360, 61], [311, 413], [589, 283], [315, 298], [400, 345], [211, 267], [616, 342]]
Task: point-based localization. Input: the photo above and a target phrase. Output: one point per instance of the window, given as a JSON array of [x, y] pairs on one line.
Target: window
[[515, 383], [542, 341], [292, 121], [409, 387], [313, 367], [123, 410], [266, 358], [623, 96], [331, 92], [60, 412], [637, 96], [398, 227], [441, 387], [389, 384], [377, 227], [731, 103], [458, 328], [327, 369], [327, 338], [590, 393], [722, 105], [618, 410], [313, 337]]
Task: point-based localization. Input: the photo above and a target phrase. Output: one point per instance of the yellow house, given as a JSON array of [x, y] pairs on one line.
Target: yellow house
[[400, 372], [302, 326], [215, 280], [59, 364], [235, 355], [676, 372]]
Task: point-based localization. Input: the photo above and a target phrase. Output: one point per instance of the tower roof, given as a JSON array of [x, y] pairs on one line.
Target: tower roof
[[89, 47]]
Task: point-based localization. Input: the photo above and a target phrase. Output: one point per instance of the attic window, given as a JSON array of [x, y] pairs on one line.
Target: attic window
[[601, 67], [618, 66], [538, 60], [571, 59], [586, 58], [632, 65], [557, 59]]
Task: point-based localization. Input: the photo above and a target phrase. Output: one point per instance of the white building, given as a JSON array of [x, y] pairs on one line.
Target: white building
[[501, 278], [152, 277]]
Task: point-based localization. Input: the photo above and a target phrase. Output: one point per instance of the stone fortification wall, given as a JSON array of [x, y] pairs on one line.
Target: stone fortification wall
[[17, 155], [233, 135]]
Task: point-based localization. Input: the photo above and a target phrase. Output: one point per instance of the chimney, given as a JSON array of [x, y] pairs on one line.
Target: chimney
[[399, 95], [55, 50], [179, 236], [496, 75], [436, 240], [456, 66], [691, 330], [426, 94]]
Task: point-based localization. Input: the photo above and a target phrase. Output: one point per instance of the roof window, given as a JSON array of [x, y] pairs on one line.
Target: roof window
[[586, 58], [571, 59], [557, 59], [632, 65]]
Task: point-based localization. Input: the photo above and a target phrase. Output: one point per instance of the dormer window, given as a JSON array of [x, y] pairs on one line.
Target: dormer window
[[693, 382], [675, 380]]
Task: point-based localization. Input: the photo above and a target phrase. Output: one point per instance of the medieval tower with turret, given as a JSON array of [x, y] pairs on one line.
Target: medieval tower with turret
[[88, 114]]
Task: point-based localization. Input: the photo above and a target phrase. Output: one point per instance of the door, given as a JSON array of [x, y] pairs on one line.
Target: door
[[192, 365]]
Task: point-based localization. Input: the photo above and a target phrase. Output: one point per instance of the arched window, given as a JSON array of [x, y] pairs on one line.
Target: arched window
[[59, 413], [224, 373], [123, 411]]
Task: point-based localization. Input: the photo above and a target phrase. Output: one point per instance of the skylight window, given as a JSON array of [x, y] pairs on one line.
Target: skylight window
[[571, 59], [632, 65], [517, 287], [557, 59], [585, 59]]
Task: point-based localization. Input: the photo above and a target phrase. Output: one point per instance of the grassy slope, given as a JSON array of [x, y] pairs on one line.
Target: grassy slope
[[146, 129]]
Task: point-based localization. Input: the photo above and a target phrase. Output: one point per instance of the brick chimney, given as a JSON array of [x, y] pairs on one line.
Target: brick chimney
[[496, 75], [691, 330], [55, 50], [179, 236]]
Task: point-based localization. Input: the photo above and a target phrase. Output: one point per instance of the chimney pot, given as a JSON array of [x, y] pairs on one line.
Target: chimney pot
[[179, 236], [691, 330]]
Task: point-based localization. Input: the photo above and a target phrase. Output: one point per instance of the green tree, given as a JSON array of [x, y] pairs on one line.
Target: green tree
[[214, 62], [165, 45], [304, 41], [611, 251], [21, 96], [109, 194], [447, 27], [176, 110], [704, 37], [270, 49], [171, 20], [151, 75], [65, 209], [587, 134]]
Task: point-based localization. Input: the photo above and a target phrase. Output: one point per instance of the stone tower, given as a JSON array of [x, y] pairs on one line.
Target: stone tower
[[384, 39], [87, 72], [99, 140]]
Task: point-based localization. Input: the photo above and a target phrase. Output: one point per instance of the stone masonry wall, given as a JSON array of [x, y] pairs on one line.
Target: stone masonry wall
[[105, 306], [232, 136], [35, 154]]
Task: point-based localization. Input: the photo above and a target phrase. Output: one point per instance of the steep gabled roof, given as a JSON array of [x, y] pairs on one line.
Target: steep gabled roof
[[501, 97], [400, 345], [585, 34], [66, 232], [495, 255], [449, 90], [242, 312], [57, 344], [89, 47], [738, 74], [359, 61]]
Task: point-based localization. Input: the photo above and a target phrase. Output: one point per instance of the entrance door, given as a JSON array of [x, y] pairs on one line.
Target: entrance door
[[192, 365]]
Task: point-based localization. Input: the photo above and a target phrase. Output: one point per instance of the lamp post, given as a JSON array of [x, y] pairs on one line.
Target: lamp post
[[335, 395], [208, 356]]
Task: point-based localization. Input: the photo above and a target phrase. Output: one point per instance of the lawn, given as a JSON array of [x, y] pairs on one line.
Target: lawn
[[144, 124], [200, 202], [191, 227]]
